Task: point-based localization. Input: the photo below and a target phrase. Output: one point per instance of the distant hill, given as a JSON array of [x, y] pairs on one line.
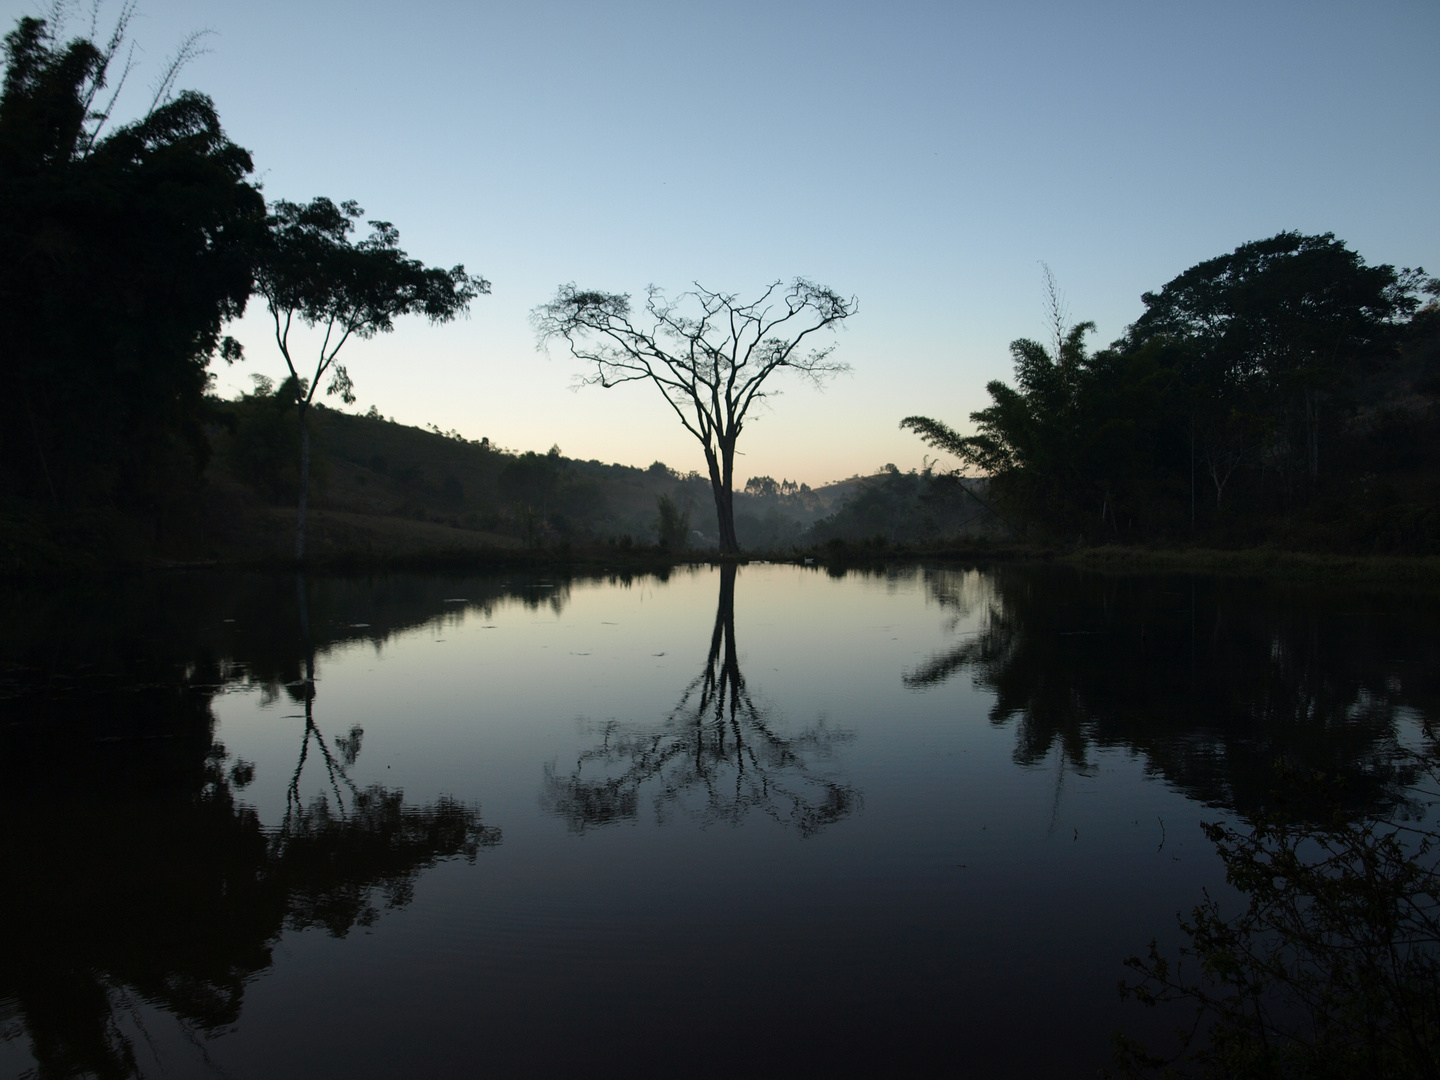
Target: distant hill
[[383, 491], [387, 487]]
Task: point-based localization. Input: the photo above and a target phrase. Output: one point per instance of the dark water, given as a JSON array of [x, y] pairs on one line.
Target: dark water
[[773, 822]]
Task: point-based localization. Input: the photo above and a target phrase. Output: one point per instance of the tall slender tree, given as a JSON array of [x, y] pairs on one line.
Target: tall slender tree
[[311, 272]]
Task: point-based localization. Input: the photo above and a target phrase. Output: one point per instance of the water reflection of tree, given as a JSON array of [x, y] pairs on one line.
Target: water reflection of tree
[[136, 876], [332, 858], [1228, 690], [59, 641], [716, 757]]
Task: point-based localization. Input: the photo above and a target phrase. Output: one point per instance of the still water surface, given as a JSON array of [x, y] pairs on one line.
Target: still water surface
[[767, 821]]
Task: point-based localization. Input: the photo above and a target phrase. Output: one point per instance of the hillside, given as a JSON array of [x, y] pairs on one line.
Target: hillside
[[385, 488]]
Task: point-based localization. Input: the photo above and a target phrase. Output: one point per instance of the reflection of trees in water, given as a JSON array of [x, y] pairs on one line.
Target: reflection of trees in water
[[136, 877], [331, 859], [1229, 690], [715, 757], [177, 902], [216, 630], [335, 612]]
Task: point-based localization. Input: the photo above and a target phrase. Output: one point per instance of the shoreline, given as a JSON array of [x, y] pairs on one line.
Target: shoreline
[[1420, 572]]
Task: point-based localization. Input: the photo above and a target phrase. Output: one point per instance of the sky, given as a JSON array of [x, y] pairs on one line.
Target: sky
[[925, 158]]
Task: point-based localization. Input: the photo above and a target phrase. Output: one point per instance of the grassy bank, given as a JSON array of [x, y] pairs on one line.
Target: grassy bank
[[1420, 573], [231, 528], [1400, 571]]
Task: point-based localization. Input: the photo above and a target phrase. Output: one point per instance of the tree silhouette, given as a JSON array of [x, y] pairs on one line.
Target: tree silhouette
[[1243, 376], [1331, 967], [716, 757], [127, 249], [310, 271], [148, 883], [708, 353], [1272, 327], [1236, 695], [1029, 442]]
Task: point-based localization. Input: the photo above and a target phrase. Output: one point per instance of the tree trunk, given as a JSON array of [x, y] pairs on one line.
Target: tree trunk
[[725, 619], [1192, 471], [721, 479], [304, 482], [302, 596], [1312, 436], [1220, 482], [39, 449]]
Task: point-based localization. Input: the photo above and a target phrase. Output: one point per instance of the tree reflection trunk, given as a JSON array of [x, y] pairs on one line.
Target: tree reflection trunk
[[335, 770], [717, 755], [304, 484], [721, 680]]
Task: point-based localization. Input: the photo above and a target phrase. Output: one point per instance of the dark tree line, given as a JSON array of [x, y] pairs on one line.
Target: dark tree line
[[141, 879], [1284, 391], [127, 250], [1237, 694]]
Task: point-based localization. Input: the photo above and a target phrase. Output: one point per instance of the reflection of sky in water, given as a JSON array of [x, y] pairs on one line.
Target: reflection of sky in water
[[960, 882], [958, 900], [472, 704]]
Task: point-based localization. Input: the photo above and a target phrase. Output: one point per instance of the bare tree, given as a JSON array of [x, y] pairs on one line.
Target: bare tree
[[716, 757], [708, 353]]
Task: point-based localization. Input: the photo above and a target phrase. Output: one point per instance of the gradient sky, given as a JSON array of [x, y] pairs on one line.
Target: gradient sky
[[925, 157]]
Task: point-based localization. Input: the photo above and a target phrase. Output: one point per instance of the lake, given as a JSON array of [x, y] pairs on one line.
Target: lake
[[773, 820]]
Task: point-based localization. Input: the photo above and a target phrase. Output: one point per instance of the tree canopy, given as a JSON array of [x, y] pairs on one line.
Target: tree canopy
[[1271, 332], [1233, 405], [311, 272], [128, 248]]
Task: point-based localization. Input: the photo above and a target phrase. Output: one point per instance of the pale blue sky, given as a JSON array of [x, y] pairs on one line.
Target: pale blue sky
[[926, 157]]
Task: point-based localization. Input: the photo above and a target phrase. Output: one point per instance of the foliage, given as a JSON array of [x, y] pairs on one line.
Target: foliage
[[672, 525], [531, 479], [126, 252], [1271, 331], [1332, 969], [767, 487], [762, 487], [1044, 443], [1233, 406], [708, 353], [310, 271], [903, 508], [260, 441], [384, 470]]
